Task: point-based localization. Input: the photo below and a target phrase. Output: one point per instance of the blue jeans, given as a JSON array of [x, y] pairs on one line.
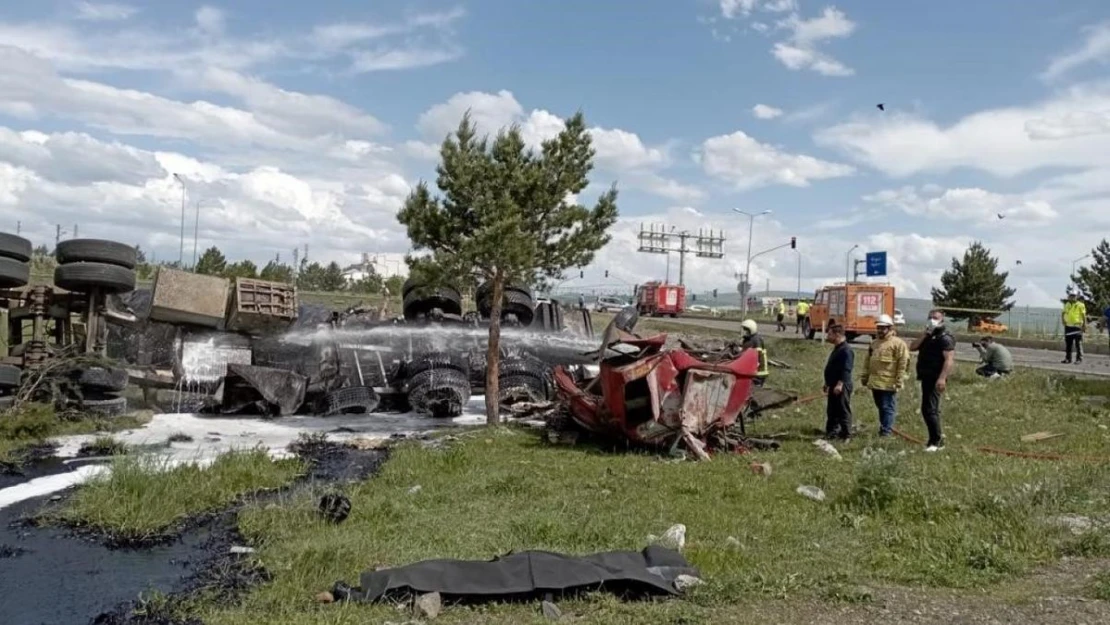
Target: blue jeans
[[887, 403]]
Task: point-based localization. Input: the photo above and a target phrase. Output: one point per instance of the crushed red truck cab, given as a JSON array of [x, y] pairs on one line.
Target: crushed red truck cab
[[656, 396]]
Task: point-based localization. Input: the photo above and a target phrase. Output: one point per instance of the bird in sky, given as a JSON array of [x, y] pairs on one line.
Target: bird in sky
[[880, 106], [1001, 216], [1019, 262]]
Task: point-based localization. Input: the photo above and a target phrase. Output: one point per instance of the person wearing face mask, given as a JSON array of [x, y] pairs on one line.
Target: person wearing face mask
[[936, 349], [752, 339], [884, 370], [838, 386]]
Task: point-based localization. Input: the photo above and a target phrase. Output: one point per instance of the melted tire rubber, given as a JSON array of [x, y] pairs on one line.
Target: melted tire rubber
[[439, 393]]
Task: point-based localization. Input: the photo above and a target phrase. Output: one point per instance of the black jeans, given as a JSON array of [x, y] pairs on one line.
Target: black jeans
[[1073, 336], [838, 414], [930, 410]]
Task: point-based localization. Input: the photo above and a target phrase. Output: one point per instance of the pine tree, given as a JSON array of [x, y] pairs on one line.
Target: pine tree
[[1093, 282], [211, 263], [333, 279], [241, 269], [506, 216], [277, 272], [974, 283]]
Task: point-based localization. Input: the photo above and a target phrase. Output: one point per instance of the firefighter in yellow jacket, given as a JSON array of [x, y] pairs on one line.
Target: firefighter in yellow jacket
[[884, 370]]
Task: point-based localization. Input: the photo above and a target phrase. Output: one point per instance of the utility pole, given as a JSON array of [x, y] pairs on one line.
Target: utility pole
[[57, 235], [19, 227], [657, 239], [181, 253], [75, 231], [748, 266], [799, 273], [855, 268]]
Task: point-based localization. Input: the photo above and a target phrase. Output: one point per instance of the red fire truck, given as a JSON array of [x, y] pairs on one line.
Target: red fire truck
[[657, 299]]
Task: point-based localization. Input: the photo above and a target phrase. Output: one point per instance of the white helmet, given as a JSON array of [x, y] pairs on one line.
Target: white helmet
[[884, 320], [750, 325]]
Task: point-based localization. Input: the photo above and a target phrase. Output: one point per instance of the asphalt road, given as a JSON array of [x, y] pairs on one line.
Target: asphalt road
[[1093, 364]]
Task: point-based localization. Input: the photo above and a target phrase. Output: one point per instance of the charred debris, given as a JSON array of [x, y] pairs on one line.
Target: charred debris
[[249, 346]]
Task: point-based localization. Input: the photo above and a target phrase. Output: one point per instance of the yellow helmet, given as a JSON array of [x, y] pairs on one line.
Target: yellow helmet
[[750, 325]]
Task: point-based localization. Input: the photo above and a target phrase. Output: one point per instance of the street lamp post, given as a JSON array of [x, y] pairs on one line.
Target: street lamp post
[[747, 278], [196, 229], [181, 252], [1077, 261], [848, 262], [799, 273]]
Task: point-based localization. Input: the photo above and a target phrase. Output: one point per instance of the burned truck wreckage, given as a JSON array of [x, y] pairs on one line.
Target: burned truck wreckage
[[247, 346]]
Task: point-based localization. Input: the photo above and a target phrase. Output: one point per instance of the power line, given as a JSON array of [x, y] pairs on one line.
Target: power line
[[659, 239]]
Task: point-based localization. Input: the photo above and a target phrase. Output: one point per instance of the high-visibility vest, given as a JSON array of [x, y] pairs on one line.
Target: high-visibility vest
[[1075, 314], [803, 309]]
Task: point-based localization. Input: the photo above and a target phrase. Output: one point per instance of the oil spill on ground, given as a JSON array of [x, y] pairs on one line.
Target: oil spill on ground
[[36, 461], [66, 578]]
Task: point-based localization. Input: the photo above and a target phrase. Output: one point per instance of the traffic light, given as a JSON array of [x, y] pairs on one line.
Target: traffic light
[[606, 273], [714, 293], [793, 243], [581, 274], [693, 297]]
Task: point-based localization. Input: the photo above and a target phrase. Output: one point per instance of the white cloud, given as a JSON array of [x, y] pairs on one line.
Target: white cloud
[[419, 40], [104, 11], [617, 150], [1095, 49], [210, 20], [731, 9], [801, 49], [746, 163], [1061, 132], [764, 111], [967, 205]]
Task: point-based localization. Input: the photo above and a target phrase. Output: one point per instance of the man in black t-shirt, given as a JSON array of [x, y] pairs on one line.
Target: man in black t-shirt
[[936, 351]]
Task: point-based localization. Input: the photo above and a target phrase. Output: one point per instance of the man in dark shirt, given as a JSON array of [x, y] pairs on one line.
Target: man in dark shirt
[[936, 351], [838, 386]]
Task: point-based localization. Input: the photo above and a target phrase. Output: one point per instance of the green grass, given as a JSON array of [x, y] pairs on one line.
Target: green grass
[[894, 515], [33, 424], [142, 497]]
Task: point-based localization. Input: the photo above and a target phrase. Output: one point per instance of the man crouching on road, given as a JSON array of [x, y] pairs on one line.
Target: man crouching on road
[[996, 359], [936, 358], [884, 370], [838, 386]]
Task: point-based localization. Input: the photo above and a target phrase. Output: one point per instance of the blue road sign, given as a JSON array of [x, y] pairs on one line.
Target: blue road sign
[[876, 264]]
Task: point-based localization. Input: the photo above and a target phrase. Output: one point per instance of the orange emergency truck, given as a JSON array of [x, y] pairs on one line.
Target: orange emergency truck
[[856, 306]]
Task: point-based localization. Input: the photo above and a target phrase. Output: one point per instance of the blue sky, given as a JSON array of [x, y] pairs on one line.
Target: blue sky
[[309, 123]]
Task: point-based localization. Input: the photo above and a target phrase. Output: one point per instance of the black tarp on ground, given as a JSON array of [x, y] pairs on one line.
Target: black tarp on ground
[[267, 391], [530, 574], [151, 343]]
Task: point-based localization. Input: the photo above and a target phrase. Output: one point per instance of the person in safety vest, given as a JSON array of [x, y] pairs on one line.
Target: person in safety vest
[[1074, 317], [801, 313], [753, 340], [780, 316]]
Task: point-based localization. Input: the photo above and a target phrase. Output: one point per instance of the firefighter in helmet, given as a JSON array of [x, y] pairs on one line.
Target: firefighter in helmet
[[753, 340]]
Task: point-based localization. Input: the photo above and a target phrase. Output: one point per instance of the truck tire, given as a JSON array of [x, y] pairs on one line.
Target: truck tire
[[10, 376], [15, 247], [408, 286], [516, 299], [14, 273], [351, 400], [517, 388], [522, 367], [84, 277], [419, 302], [103, 379], [96, 251], [105, 405], [438, 360], [808, 331], [439, 393]]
